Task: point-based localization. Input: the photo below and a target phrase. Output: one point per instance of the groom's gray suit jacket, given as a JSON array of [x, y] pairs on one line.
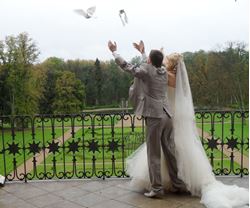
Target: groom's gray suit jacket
[[149, 92]]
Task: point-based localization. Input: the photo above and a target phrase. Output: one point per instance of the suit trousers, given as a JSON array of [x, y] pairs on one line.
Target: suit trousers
[[159, 133]]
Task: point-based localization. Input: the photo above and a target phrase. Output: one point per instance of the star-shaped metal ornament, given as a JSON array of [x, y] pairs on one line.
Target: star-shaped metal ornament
[[93, 146], [212, 143], [34, 147], [232, 143], [53, 147], [13, 148], [113, 145], [73, 146]]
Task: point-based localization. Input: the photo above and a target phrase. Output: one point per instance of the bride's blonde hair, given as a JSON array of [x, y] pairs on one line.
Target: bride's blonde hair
[[171, 61]]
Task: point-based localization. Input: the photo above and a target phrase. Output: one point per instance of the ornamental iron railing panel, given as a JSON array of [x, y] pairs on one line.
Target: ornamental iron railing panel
[[97, 144]]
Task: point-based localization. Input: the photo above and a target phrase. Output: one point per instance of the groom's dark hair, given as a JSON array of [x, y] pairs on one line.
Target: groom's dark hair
[[156, 58]]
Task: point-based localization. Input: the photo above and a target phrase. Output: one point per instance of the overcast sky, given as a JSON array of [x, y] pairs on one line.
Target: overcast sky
[[176, 25]]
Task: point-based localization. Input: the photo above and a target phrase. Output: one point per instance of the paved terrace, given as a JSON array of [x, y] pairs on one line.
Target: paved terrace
[[108, 193]]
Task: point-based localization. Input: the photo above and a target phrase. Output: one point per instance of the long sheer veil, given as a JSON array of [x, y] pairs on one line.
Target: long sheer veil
[[193, 165]]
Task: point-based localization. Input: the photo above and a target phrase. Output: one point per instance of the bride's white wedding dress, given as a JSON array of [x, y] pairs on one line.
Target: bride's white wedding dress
[[193, 165]]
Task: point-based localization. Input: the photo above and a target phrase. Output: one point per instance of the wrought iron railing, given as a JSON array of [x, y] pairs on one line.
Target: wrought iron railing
[[97, 144], [225, 137]]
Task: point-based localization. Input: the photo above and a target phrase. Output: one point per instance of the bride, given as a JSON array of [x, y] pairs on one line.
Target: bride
[[193, 165]]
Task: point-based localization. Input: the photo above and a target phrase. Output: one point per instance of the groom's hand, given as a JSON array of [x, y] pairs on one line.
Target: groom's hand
[[140, 47], [112, 46]]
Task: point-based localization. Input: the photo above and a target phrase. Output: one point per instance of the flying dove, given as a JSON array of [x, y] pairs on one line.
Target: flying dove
[[88, 14], [123, 17]]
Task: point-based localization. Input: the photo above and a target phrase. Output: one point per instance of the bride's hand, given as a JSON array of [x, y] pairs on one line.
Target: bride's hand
[[140, 47], [112, 46]]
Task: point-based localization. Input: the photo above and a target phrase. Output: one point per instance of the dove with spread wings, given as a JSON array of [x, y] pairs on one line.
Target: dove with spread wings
[[88, 14], [123, 16]]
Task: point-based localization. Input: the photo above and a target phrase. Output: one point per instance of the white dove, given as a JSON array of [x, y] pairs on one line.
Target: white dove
[[88, 14], [123, 17]]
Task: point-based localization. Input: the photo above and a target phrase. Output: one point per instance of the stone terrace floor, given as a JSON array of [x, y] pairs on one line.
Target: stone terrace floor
[[108, 193]]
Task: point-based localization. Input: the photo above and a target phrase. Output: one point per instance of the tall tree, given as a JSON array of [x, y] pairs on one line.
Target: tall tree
[[17, 55], [52, 68], [69, 94], [98, 81]]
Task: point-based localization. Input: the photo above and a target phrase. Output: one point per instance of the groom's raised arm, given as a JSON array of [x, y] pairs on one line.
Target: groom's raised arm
[[135, 70], [141, 48]]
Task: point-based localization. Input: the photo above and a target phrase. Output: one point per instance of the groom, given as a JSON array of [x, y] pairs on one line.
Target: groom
[[155, 110]]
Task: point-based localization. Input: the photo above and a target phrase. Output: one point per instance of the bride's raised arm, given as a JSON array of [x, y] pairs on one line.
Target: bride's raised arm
[[170, 62], [171, 79]]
